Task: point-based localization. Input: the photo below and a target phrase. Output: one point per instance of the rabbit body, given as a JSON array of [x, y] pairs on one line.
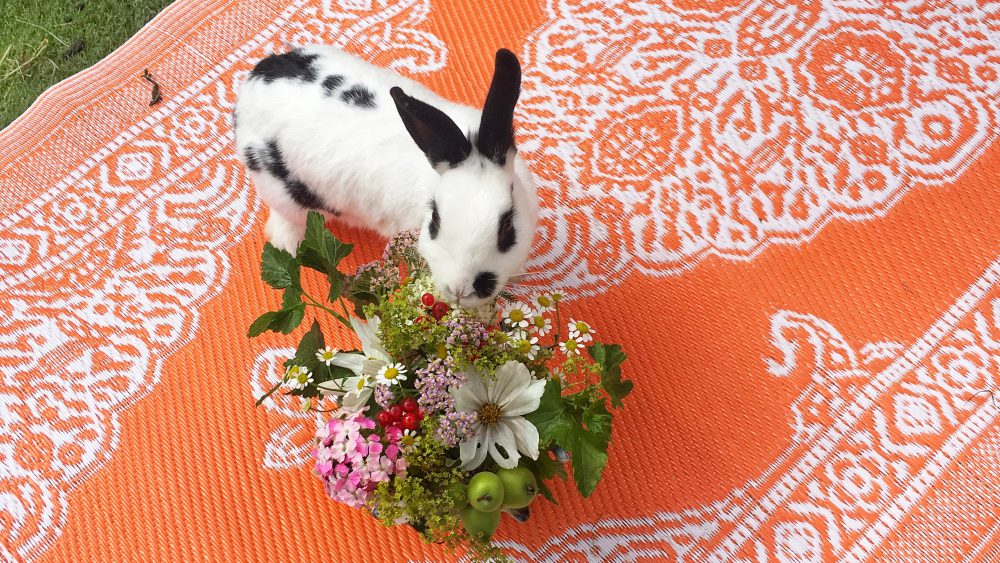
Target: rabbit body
[[319, 129]]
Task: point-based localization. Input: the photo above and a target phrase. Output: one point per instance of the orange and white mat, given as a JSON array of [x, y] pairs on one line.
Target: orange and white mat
[[788, 213]]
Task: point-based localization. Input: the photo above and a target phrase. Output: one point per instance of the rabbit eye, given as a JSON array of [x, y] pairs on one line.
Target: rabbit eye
[[506, 234], [484, 284], [435, 225]]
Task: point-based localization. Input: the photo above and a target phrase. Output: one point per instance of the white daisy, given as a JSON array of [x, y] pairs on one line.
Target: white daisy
[[391, 374], [326, 355], [407, 439], [528, 347], [581, 330], [500, 428], [544, 303], [541, 325], [298, 377], [356, 390], [517, 315], [571, 346]]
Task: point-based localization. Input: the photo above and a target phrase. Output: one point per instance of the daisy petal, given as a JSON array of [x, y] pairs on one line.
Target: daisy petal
[[503, 436]]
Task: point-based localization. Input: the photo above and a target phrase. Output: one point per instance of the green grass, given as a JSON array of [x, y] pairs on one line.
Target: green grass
[[44, 41]]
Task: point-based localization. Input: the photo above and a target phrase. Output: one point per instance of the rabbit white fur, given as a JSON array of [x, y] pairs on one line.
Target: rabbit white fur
[[321, 129]]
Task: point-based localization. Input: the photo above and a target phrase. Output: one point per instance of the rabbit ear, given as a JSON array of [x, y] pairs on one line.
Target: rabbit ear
[[496, 127], [433, 131]]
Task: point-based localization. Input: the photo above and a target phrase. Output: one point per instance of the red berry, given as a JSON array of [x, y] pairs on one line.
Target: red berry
[[396, 424], [411, 422], [421, 319], [409, 404], [440, 309], [396, 412], [427, 299], [420, 415], [384, 419]]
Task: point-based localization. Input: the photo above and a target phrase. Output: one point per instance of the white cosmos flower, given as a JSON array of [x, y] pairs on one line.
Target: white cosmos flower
[[356, 390], [500, 428]]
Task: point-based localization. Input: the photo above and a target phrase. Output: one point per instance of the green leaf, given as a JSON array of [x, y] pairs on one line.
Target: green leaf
[[610, 358], [291, 298], [283, 321], [305, 354], [278, 268], [320, 250], [590, 456], [261, 324], [336, 280], [551, 418]]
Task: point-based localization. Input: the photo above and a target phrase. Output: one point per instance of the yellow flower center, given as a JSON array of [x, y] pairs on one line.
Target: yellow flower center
[[391, 373], [582, 327], [517, 315], [303, 377], [544, 301], [489, 414], [523, 346], [557, 297], [571, 344], [407, 441], [361, 383], [540, 322]]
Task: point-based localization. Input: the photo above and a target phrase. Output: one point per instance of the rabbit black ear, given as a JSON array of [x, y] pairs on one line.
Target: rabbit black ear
[[433, 131], [496, 127]]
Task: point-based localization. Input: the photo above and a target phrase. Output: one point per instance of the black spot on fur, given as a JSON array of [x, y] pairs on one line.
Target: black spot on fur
[[297, 190], [485, 284], [506, 233], [358, 96], [292, 65], [435, 225], [250, 155], [331, 83]]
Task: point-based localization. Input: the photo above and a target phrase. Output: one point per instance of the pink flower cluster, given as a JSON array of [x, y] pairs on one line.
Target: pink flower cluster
[[352, 460]]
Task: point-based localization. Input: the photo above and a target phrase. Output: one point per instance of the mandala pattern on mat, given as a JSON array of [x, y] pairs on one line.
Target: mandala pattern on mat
[[662, 132], [874, 429], [104, 273]]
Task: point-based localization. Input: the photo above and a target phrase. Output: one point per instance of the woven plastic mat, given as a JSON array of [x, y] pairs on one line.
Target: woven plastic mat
[[786, 211]]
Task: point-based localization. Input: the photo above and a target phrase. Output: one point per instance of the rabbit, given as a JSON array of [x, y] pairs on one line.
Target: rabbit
[[319, 129]]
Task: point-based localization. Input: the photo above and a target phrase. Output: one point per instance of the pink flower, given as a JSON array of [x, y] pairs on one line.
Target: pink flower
[[352, 460]]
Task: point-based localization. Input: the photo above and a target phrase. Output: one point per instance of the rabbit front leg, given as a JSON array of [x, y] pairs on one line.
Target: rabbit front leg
[[283, 232]]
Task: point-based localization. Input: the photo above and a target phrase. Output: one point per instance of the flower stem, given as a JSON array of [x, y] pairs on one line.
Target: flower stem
[[335, 314]]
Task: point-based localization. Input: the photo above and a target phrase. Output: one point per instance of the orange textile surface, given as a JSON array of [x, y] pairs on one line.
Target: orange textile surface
[[787, 212]]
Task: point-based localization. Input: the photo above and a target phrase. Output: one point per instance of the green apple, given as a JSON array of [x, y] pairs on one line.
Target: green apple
[[480, 524], [485, 492], [519, 487]]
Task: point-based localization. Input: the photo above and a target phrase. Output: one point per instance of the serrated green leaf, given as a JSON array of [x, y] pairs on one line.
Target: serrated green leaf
[[289, 319], [336, 280], [305, 354], [278, 268], [261, 324], [292, 297], [589, 458], [320, 250], [610, 358], [551, 418]]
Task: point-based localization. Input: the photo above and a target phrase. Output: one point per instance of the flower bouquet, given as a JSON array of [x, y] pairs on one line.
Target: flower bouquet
[[446, 417]]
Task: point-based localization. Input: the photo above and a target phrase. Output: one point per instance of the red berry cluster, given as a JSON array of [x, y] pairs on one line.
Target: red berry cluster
[[438, 308], [404, 415]]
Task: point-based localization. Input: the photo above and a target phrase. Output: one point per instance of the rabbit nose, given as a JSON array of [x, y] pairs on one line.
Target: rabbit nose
[[457, 293]]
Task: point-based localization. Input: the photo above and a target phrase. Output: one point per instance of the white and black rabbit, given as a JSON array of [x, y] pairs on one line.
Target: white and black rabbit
[[321, 129]]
